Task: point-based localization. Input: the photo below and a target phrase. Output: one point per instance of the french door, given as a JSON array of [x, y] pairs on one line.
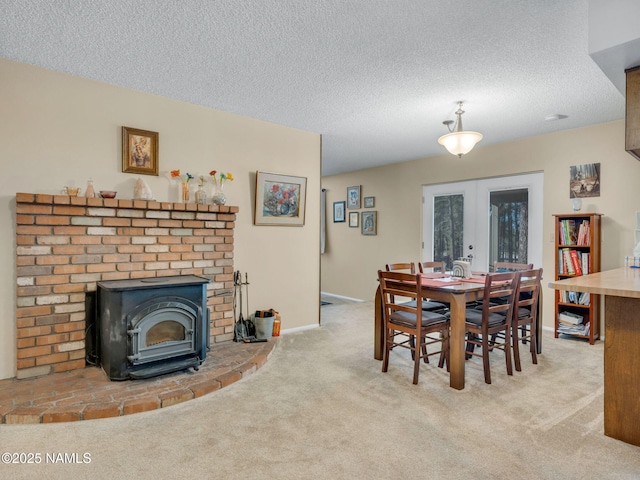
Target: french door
[[495, 219]]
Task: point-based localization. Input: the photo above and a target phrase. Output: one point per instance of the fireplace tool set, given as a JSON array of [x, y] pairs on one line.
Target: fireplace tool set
[[244, 328]]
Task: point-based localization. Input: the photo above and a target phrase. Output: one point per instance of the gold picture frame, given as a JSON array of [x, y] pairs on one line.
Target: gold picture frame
[[139, 151], [280, 200]]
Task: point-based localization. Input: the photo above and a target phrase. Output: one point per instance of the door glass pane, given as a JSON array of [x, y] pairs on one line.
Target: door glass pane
[[448, 217], [509, 226]]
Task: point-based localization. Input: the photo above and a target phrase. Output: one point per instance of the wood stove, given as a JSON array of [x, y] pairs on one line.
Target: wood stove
[[152, 326]]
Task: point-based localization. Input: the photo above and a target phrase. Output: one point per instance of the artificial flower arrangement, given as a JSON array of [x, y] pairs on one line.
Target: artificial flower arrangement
[[184, 179], [219, 178]]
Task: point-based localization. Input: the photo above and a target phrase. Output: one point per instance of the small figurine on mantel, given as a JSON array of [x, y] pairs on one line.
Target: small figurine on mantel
[[142, 191]]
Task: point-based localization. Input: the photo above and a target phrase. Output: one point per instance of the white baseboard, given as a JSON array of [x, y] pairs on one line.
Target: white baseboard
[[341, 296], [299, 329]]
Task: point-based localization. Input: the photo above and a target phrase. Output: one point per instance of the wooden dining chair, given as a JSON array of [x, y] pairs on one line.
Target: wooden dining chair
[[426, 267], [493, 318], [406, 267], [406, 321], [410, 267], [525, 315], [434, 267], [429, 305], [510, 266]]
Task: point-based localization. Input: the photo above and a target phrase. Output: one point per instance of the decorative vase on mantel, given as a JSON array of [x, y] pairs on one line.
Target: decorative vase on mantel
[[185, 192], [218, 197], [201, 195]]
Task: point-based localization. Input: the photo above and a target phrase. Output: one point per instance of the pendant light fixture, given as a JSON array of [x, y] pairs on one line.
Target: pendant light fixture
[[459, 142]]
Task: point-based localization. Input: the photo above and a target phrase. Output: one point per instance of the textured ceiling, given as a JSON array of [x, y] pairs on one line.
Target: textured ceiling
[[375, 77]]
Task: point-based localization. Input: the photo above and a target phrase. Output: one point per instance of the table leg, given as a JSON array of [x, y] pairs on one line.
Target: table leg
[[456, 341], [539, 325]]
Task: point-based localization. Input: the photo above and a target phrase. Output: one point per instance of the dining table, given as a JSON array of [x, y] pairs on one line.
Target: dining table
[[457, 292], [442, 288]]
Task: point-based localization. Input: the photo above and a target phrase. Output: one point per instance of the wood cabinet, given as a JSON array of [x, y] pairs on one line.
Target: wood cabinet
[[632, 116], [577, 252]]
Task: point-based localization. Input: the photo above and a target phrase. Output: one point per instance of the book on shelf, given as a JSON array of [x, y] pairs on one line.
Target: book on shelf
[[566, 265], [575, 260], [579, 298], [584, 298], [572, 234], [570, 318], [584, 233], [585, 263]]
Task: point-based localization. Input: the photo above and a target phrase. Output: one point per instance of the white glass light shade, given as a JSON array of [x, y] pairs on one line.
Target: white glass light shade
[[460, 143]]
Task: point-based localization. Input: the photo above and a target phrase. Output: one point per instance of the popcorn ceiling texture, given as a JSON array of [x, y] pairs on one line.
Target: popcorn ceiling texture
[[376, 78], [65, 245]]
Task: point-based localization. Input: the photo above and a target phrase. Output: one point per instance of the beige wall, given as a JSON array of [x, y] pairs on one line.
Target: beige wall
[[61, 130], [349, 266]]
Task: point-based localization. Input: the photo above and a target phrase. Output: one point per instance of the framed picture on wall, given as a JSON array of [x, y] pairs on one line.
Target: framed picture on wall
[[369, 202], [353, 197], [584, 180], [353, 219], [139, 151], [338, 212], [280, 200], [369, 223]]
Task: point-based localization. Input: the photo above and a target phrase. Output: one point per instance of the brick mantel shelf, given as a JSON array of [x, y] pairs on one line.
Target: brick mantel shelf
[[65, 245]]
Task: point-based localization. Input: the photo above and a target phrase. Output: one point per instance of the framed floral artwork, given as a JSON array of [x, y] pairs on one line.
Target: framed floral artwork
[[354, 218], [353, 197], [369, 202], [369, 223], [338, 212], [280, 200], [139, 151]]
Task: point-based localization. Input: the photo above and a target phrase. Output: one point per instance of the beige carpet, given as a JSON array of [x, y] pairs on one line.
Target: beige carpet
[[320, 408]]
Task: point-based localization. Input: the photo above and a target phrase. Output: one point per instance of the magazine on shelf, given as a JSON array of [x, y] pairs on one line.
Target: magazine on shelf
[[570, 318], [584, 298], [574, 329]]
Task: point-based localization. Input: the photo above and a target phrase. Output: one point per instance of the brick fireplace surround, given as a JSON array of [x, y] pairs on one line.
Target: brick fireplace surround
[[64, 246]]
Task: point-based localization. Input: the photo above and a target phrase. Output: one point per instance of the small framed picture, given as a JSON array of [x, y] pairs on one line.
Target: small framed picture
[[369, 202], [369, 223], [353, 219], [353, 197], [338, 212], [139, 151]]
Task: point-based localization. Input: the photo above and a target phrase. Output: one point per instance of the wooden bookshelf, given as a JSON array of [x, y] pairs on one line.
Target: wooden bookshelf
[[577, 252]]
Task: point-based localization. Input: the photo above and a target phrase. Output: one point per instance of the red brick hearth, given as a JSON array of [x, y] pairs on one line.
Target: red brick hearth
[[65, 245], [87, 394]]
